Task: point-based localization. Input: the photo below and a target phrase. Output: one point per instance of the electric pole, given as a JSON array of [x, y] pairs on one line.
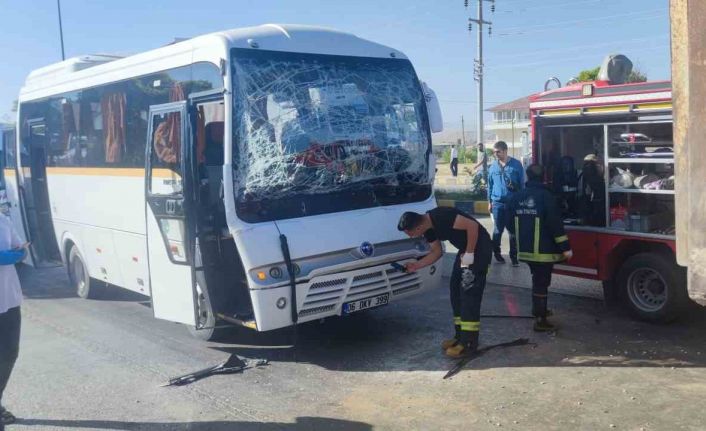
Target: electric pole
[[463, 133], [478, 67], [61, 30]]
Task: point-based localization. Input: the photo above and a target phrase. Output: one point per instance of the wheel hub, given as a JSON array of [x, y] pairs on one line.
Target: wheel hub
[[647, 289]]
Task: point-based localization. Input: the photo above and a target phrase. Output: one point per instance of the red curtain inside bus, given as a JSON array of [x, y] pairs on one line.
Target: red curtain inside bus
[[113, 109]]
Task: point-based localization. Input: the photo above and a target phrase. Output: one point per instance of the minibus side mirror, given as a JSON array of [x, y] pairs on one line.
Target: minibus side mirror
[[436, 121]]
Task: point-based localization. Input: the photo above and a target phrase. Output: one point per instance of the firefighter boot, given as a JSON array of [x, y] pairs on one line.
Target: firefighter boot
[[467, 345], [540, 312], [541, 324], [539, 305], [452, 341]]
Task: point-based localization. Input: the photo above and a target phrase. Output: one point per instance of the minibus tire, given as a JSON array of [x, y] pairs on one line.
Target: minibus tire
[[653, 287], [86, 288], [204, 311]]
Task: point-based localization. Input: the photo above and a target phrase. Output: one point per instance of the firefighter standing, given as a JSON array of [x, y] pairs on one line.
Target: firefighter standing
[[469, 272], [535, 221]]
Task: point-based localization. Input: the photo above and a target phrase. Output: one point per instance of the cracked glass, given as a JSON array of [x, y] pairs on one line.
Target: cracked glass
[[313, 126]]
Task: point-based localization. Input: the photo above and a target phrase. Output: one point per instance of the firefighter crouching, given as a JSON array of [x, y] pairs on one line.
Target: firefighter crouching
[[469, 272], [535, 221]]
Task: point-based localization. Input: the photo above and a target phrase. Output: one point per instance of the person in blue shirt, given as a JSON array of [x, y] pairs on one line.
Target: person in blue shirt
[[505, 177]]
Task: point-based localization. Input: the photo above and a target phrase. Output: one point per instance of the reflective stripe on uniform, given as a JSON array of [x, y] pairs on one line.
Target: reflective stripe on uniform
[[540, 257], [560, 239], [470, 326], [536, 235], [457, 320], [539, 295], [517, 232]]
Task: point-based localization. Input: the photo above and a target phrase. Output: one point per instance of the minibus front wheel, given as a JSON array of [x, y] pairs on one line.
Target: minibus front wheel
[[86, 287], [205, 328]]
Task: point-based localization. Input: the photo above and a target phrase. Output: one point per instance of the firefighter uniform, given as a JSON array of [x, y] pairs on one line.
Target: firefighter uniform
[[535, 221], [466, 284]]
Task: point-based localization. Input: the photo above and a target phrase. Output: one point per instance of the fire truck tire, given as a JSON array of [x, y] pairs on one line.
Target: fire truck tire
[[86, 287], [653, 287]]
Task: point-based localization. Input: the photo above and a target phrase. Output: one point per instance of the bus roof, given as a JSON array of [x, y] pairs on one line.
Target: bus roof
[[89, 70]]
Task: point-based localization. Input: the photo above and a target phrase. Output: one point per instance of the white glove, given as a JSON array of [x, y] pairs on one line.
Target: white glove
[[568, 254], [467, 259]]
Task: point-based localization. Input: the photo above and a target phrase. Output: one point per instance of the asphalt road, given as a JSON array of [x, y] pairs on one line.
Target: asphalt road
[[100, 365]]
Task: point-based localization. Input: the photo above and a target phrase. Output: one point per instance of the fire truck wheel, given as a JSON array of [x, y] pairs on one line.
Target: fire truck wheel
[[653, 287], [86, 288], [206, 320]]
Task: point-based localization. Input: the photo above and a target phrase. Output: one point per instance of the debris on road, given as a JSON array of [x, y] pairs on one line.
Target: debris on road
[[234, 364]]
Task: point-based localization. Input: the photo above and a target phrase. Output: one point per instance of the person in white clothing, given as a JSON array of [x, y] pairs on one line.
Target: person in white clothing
[[11, 251], [454, 160]]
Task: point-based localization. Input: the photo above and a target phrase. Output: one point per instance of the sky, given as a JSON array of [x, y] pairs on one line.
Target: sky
[[531, 40]]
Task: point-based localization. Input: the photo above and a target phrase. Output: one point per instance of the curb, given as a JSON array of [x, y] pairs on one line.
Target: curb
[[470, 207]]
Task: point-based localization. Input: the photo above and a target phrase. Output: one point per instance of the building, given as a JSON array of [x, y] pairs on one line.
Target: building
[[511, 123]]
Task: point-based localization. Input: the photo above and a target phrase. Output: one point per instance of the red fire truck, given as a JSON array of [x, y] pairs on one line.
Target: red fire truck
[[609, 155]]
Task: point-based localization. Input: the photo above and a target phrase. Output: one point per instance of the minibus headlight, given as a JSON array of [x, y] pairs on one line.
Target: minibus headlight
[[275, 272], [420, 246]]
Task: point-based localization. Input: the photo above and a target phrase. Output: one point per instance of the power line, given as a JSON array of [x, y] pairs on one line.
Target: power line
[[472, 102], [564, 59], [550, 6], [544, 30], [574, 48], [581, 21]]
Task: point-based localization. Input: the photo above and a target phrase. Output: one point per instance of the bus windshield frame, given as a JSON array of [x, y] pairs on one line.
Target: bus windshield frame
[[316, 134]]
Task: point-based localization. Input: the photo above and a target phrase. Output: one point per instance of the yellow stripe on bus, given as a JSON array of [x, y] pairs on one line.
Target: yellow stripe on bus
[[112, 172]]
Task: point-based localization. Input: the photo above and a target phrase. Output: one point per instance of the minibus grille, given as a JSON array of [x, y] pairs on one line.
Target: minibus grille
[[325, 297]]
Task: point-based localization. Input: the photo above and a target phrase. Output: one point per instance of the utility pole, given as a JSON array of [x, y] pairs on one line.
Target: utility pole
[[61, 30], [478, 67], [463, 133], [513, 134]]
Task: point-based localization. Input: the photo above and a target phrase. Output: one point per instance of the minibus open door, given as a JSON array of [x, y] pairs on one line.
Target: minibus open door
[[171, 247], [12, 192], [33, 195]]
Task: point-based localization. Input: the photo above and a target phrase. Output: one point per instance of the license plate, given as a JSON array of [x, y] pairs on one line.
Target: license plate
[[364, 304]]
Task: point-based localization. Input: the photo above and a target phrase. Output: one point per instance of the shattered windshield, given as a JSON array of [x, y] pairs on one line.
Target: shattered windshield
[[308, 125]]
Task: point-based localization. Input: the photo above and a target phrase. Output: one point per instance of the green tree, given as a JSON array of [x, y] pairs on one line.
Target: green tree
[[592, 74], [588, 75], [637, 76]]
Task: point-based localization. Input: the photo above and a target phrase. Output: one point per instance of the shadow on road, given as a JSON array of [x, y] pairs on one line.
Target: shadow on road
[[53, 283], [405, 336], [302, 423]]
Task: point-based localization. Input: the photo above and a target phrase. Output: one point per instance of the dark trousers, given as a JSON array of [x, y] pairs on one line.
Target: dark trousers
[[9, 344], [454, 167], [541, 279], [466, 298], [500, 219]]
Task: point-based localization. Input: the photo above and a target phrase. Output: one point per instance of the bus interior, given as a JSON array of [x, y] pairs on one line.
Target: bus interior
[[35, 193], [223, 273]]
